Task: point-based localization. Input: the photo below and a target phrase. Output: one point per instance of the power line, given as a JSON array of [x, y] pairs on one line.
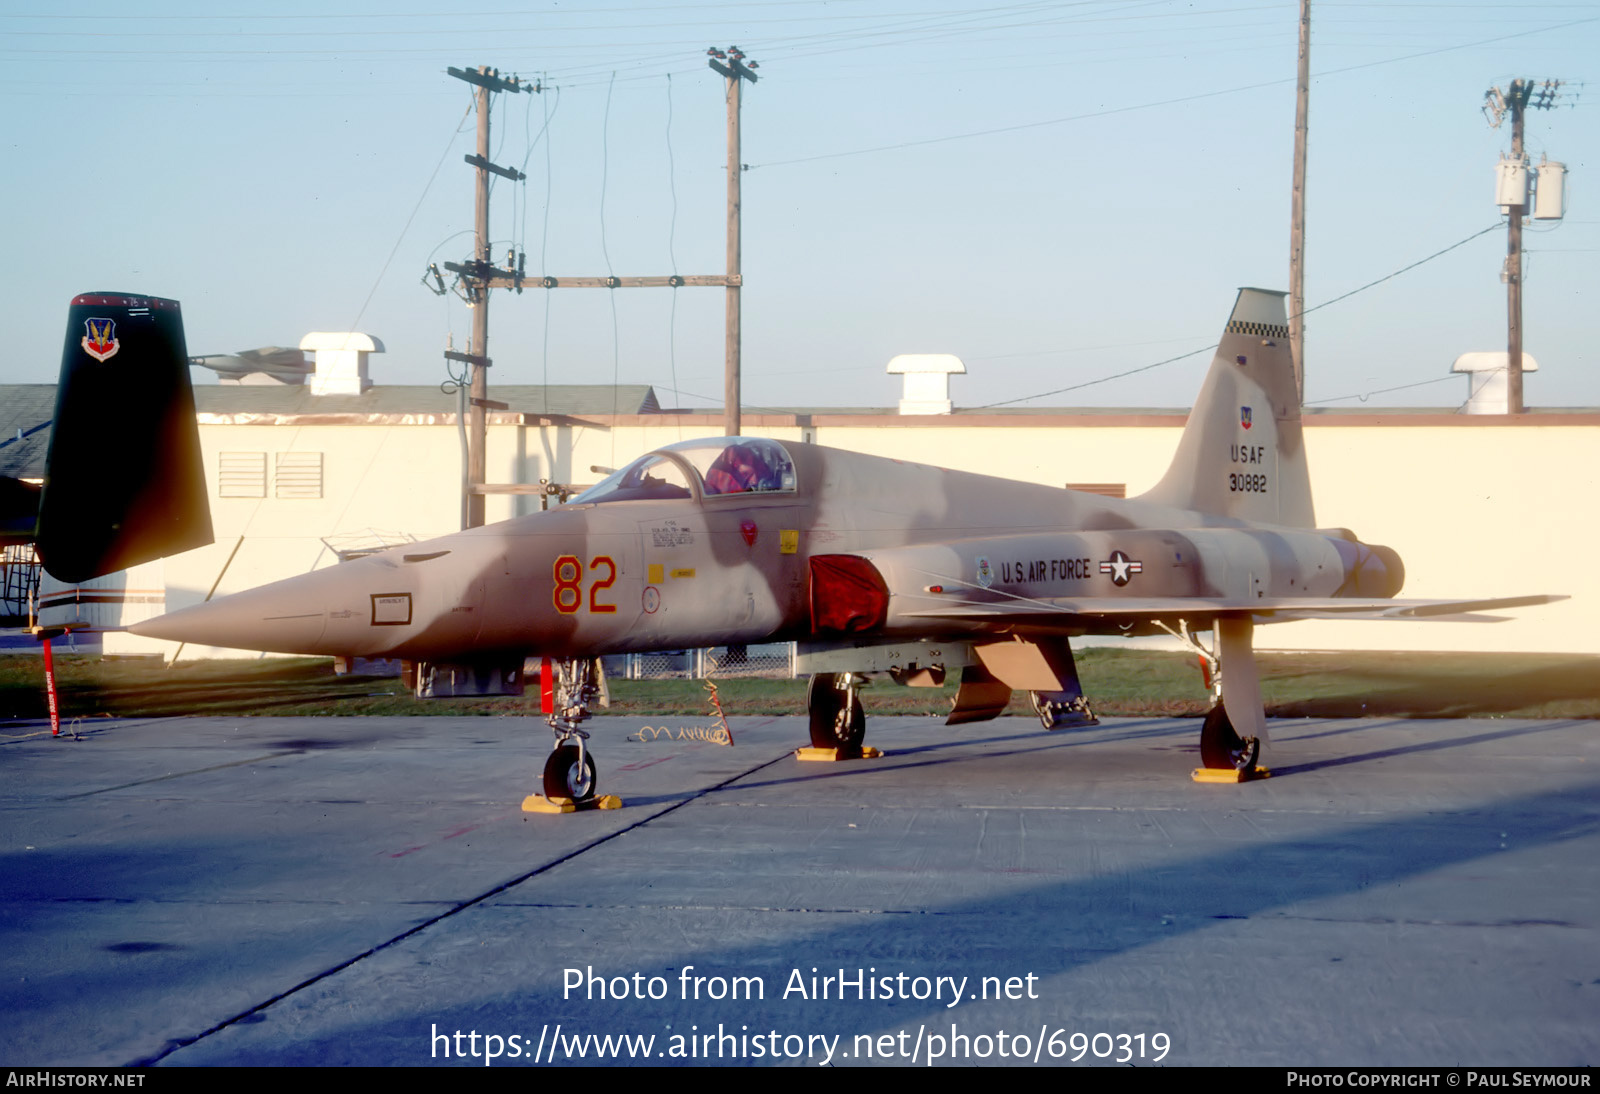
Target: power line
[[1206, 349], [1159, 102], [1101, 380], [1382, 390], [451, 15], [356, 325], [1403, 269]]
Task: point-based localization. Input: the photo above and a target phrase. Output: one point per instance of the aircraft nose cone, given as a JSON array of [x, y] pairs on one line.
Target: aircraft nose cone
[[287, 617]]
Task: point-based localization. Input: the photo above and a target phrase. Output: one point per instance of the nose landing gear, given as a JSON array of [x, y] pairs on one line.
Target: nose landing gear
[[569, 686]]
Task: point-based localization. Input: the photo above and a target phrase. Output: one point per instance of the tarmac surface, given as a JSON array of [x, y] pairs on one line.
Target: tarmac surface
[[359, 890]]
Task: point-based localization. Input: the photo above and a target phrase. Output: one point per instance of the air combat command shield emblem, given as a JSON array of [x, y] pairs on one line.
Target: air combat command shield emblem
[[100, 341]]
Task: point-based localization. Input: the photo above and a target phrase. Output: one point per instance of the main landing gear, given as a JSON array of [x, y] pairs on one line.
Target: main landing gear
[[1221, 747], [569, 773], [1226, 754], [838, 721]]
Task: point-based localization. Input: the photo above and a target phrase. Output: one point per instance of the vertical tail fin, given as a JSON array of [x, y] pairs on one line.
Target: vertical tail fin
[[124, 482], [1242, 454]]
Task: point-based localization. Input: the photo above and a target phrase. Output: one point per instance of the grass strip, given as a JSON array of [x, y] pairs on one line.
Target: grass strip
[[1117, 681]]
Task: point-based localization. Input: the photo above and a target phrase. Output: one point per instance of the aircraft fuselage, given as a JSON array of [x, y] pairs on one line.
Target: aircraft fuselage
[[625, 573]]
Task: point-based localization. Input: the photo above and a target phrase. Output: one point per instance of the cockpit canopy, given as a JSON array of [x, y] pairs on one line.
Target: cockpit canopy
[[704, 468]]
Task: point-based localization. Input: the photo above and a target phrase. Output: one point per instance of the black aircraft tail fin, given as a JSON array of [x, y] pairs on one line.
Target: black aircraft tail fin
[[124, 481], [1242, 453]]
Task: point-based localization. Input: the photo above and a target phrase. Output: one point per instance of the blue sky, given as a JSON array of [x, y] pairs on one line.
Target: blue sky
[[1056, 192]]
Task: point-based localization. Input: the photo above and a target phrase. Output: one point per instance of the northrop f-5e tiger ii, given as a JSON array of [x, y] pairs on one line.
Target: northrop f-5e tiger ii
[[874, 566]]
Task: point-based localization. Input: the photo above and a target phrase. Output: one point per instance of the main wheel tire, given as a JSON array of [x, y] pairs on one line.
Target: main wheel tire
[[831, 725], [566, 775], [1221, 747]]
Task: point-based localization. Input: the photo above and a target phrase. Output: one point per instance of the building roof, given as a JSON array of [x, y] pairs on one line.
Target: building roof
[[287, 399], [27, 409], [25, 412]]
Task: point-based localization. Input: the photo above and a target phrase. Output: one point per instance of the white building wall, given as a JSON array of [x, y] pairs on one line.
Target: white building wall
[[1501, 510]]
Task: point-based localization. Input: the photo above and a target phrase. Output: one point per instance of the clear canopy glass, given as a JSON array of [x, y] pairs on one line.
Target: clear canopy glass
[[724, 465]]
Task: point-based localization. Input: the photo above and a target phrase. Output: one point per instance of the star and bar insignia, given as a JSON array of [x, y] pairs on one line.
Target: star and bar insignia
[[1121, 568]]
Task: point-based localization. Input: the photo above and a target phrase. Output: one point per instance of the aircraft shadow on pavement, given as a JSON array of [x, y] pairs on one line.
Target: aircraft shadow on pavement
[[1049, 929], [1422, 746], [940, 752]]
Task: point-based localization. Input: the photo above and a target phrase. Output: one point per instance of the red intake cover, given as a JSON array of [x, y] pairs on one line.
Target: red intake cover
[[847, 594]]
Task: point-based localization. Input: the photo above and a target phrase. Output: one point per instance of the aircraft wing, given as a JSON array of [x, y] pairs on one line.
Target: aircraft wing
[[287, 365], [1277, 609]]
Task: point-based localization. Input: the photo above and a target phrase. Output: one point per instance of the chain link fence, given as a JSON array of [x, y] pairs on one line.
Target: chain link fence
[[774, 661]]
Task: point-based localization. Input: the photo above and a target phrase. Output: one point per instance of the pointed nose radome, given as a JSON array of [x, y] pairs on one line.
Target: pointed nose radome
[[419, 602], [284, 617]]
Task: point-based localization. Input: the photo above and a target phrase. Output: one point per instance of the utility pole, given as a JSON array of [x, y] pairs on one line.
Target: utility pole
[[1297, 212], [734, 71], [1519, 100], [477, 278], [482, 276], [1497, 104]]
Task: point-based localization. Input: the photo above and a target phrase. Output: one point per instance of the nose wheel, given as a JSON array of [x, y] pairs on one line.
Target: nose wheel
[[569, 773]]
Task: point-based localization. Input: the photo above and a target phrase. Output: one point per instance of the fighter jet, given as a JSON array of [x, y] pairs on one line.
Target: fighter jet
[[874, 566]]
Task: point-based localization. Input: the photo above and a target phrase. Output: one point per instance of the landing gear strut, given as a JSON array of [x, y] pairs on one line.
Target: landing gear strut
[[569, 772], [837, 718], [1229, 669]]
